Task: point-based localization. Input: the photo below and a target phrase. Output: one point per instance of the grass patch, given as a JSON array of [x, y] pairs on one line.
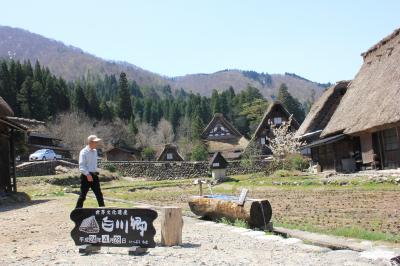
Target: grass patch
[[350, 231], [237, 222]]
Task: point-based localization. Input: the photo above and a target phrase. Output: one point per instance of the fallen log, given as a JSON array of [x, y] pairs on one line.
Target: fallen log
[[256, 212]]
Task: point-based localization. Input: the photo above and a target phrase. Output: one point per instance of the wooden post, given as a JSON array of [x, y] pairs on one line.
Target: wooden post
[[171, 226]]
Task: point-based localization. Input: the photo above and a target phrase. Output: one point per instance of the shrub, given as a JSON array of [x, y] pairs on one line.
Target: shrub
[[199, 153], [297, 162], [148, 153], [290, 162], [110, 167]]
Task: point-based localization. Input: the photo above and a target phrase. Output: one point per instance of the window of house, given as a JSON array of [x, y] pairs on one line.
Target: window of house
[[390, 139], [169, 156], [262, 140], [277, 120]]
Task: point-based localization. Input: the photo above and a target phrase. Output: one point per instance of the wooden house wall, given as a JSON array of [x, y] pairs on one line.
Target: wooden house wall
[[330, 156], [7, 160], [389, 157], [5, 178]]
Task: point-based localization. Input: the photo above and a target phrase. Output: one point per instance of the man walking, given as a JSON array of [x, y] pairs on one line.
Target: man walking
[[89, 174]]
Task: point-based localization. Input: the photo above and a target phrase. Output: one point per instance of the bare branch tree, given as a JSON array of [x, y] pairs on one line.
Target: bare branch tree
[[165, 132], [73, 128]]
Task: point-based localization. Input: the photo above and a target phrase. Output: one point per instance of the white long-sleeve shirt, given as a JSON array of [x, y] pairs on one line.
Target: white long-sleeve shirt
[[88, 160]]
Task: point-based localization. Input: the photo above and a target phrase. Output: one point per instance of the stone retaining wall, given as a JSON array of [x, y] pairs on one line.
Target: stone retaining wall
[[41, 168], [179, 170], [151, 170]]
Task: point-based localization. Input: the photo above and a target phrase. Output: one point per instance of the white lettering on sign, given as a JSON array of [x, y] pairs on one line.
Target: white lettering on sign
[[138, 224], [107, 224]]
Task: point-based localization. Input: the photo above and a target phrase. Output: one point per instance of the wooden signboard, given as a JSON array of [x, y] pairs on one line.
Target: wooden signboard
[[114, 227], [242, 197]]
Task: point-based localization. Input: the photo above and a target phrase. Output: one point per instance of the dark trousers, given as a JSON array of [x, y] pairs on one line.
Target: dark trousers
[[95, 186]]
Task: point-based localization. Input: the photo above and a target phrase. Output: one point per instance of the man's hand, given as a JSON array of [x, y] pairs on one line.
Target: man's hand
[[89, 178]]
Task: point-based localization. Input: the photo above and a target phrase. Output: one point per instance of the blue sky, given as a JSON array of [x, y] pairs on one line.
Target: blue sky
[[320, 40]]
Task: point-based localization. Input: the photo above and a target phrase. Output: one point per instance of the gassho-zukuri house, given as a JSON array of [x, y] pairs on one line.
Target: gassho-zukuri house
[[276, 115], [221, 136], [356, 125]]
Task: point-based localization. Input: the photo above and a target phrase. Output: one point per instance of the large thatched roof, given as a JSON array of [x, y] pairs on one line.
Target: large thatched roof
[[5, 109], [219, 118], [372, 101], [169, 148], [323, 109]]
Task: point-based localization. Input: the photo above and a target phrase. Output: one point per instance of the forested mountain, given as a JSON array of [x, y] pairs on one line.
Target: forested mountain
[[72, 63], [34, 92]]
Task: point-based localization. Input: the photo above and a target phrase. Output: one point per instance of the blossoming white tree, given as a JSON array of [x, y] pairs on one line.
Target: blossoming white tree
[[283, 141]]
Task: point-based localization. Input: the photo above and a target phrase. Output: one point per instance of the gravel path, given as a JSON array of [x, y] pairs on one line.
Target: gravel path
[[40, 234]]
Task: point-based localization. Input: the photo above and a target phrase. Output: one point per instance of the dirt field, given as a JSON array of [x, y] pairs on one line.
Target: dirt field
[[39, 234], [328, 209], [361, 208]]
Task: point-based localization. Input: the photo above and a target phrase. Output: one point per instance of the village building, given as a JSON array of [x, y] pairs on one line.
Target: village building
[[339, 152], [122, 154], [169, 153], [275, 115], [368, 114], [218, 166], [221, 136], [8, 129], [38, 138]]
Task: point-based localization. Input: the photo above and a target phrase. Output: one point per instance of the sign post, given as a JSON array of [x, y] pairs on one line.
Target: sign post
[[113, 227]]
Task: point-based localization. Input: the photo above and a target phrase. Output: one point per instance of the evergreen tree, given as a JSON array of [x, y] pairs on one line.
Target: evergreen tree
[[124, 105], [137, 105], [80, 102], [106, 112], [93, 104], [197, 128], [199, 153], [6, 89], [215, 102], [52, 96], [174, 116], [39, 103], [147, 111], [291, 104], [37, 74], [32, 101], [25, 97]]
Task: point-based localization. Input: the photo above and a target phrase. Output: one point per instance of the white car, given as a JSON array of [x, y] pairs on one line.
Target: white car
[[43, 155]]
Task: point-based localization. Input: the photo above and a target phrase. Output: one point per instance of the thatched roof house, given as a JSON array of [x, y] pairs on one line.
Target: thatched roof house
[[336, 152], [322, 110], [123, 154], [364, 128], [169, 153], [372, 100], [5, 109], [276, 114], [221, 136]]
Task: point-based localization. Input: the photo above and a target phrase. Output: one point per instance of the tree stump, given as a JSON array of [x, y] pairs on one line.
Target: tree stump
[[171, 226]]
